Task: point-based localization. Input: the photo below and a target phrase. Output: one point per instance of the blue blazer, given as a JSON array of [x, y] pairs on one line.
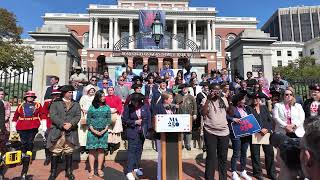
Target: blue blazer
[[129, 117], [79, 94]]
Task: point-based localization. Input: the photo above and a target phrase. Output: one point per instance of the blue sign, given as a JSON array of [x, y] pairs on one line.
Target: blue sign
[[146, 19], [248, 125]]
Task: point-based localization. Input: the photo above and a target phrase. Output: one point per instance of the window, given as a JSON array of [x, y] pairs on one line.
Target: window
[[85, 40], [279, 63], [311, 52], [289, 53], [218, 43], [278, 53], [229, 39], [300, 54]]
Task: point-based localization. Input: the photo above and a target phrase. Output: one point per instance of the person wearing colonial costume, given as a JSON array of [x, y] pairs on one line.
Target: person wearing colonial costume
[[26, 121], [63, 136]]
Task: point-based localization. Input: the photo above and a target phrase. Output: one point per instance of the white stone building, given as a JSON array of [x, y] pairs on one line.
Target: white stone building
[[285, 52], [312, 49]]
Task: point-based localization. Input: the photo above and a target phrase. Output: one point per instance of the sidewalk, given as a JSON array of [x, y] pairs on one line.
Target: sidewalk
[[192, 169]]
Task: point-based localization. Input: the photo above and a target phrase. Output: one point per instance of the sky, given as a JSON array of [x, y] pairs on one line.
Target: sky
[[29, 12]]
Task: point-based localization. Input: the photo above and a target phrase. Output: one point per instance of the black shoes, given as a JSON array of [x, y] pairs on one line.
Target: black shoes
[[54, 166], [69, 173], [48, 158]]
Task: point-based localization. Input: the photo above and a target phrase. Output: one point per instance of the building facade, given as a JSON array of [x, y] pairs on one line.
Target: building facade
[[104, 25], [298, 24], [286, 52], [312, 49]]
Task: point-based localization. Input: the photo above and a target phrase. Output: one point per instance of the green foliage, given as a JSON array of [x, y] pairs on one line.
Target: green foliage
[[305, 69], [13, 55]]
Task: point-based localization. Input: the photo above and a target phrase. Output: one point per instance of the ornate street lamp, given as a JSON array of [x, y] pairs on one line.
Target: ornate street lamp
[[157, 29]]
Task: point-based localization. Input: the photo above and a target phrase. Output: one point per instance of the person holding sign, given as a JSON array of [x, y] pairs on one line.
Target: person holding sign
[[289, 116], [261, 113], [216, 133], [240, 145], [137, 119]]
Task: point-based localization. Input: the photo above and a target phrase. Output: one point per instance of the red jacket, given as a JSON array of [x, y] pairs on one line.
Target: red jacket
[[46, 111], [30, 122], [114, 102]]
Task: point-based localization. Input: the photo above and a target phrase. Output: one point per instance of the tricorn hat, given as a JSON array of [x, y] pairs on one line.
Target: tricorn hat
[[135, 86], [67, 88], [30, 94], [258, 94]]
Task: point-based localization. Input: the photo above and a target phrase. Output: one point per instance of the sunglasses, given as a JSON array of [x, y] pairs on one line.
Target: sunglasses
[[120, 80], [104, 83], [93, 80], [289, 94]]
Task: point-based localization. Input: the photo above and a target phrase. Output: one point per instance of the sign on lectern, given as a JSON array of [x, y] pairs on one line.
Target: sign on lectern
[[171, 127]]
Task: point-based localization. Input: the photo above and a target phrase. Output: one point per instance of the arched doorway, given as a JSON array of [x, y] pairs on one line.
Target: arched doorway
[[182, 62], [137, 62], [153, 64], [168, 60], [101, 64]]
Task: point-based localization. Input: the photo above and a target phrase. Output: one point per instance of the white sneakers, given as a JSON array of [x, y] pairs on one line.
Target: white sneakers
[[130, 176], [243, 174], [235, 176], [138, 172]]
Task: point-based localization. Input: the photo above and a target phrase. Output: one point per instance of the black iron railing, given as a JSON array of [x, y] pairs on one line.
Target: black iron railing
[[15, 84]]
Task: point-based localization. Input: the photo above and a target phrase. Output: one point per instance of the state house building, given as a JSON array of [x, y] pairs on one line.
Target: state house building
[[104, 25]]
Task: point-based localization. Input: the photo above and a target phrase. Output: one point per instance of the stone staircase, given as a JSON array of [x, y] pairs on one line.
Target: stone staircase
[[149, 152]]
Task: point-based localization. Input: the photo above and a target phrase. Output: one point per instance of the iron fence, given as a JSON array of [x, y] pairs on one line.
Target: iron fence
[[301, 86], [15, 84]]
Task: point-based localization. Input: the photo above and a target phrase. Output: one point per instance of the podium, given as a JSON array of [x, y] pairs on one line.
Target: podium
[[171, 127]]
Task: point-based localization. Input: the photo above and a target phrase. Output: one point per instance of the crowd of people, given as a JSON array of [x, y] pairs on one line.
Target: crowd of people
[[96, 115]]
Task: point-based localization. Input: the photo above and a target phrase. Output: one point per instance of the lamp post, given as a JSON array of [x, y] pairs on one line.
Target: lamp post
[[157, 29]]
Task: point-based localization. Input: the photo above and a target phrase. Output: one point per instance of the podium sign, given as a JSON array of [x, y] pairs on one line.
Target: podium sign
[[173, 123]]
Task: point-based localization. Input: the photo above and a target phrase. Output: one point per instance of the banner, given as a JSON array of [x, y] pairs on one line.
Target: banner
[[146, 18], [248, 125]]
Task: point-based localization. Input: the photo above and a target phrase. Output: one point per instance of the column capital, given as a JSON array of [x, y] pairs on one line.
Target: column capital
[[115, 19], [209, 21], [194, 21], [130, 20], [96, 19], [91, 18], [189, 21]]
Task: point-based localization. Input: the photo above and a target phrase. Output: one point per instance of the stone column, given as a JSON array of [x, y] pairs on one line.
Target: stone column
[[209, 35], [110, 33], [174, 31], [213, 35], [160, 64], [130, 62], [299, 20], [116, 35], [145, 60], [189, 29], [175, 63], [131, 44], [38, 77], [90, 32], [312, 32], [194, 31], [95, 38]]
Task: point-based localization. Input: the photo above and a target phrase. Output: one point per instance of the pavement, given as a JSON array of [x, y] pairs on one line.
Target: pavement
[[192, 170]]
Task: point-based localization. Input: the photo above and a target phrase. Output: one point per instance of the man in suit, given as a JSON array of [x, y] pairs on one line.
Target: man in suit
[[78, 91], [54, 86], [121, 90]]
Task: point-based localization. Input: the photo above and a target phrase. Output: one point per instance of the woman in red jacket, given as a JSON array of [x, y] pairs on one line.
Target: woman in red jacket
[[26, 121]]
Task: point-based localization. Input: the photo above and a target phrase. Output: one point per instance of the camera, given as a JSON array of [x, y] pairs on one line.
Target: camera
[[289, 150]]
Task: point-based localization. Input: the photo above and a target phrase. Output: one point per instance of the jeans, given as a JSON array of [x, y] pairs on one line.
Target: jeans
[[135, 147], [217, 146], [239, 147], [269, 160], [187, 137], [27, 137]]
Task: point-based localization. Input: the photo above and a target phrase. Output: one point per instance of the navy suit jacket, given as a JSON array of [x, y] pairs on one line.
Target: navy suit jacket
[[235, 114], [79, 94], [129, 117]]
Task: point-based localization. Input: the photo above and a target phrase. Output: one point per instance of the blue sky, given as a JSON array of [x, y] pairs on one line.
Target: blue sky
[[29, 12]]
